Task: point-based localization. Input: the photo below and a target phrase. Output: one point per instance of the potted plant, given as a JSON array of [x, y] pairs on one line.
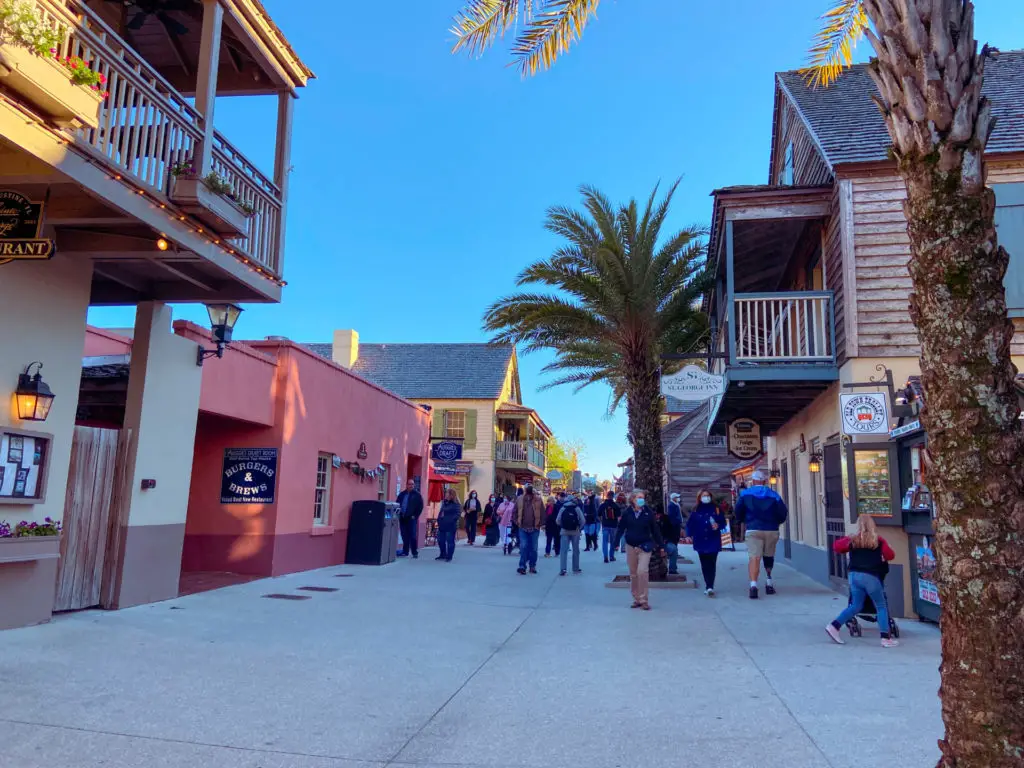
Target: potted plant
[[210, 198], [29, 554], [67, 90]]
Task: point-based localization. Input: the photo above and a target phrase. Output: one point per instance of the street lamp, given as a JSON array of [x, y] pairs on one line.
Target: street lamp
[[222, 322], [33, 395]]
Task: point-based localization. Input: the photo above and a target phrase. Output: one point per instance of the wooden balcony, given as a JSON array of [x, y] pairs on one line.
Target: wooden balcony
[[520, 455], [783, 328], [146, 126]]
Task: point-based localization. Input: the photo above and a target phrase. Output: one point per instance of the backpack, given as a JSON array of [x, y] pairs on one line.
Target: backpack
[[570, 517]]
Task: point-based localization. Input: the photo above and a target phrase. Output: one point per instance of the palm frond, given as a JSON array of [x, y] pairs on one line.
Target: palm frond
[[551, 32], [481, 22], [832, 52]]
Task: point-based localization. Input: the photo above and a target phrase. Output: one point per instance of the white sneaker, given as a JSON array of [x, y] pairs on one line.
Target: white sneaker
[[890, 642], [834, 633], [709, 592]]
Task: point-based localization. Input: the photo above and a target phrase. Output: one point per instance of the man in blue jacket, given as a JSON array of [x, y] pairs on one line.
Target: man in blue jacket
[[762, 510], [410, 503]]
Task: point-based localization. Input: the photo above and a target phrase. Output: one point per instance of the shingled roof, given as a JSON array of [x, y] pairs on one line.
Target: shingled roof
[[848, 127], [433, 371]]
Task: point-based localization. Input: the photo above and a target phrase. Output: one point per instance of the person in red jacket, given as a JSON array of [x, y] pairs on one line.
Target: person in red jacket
[[869, 554]]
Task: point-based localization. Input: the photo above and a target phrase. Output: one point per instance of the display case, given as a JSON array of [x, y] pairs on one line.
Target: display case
[[873, 482], [24, 464]]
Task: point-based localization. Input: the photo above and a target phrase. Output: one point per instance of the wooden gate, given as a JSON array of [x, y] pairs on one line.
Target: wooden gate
[[97, 465], [835, 527]]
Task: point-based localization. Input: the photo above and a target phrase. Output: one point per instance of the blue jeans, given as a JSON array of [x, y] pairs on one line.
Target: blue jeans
[[573, 540], [446, 543], [528, 543], [861, 585], [608, 541], [673, 556]]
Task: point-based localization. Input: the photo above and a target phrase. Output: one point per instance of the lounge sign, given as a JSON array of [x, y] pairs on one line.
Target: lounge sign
[[744, 438], [20, 223], [693, 384], [249, 476]]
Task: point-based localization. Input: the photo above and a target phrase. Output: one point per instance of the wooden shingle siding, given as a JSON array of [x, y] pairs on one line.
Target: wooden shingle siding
[[832, 249], [692, 464], [809, 168], [882, 249]]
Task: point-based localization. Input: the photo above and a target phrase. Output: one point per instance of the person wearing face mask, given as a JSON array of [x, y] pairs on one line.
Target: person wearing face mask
[[491, 521], [672, 530], [640, 530], [609, 513], [471, 509], [705, 528]]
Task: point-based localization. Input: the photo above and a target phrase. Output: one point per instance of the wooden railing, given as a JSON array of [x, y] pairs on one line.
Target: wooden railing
[[146, 126], [521, 451], [784, 327]]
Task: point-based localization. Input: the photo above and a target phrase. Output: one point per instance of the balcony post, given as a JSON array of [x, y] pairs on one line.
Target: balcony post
[[282, 166], [206, 81], [730, 293]]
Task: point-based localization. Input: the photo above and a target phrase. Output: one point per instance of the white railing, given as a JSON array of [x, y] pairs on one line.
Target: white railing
[[510, 451], [146, 126], [784, 327]]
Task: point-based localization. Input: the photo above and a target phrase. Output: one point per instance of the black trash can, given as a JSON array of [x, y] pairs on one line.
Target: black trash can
[[372, 533]]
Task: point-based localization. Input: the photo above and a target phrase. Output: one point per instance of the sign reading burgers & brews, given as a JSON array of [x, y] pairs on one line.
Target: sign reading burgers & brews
[[249, 477], [20, 223], [865, 414]]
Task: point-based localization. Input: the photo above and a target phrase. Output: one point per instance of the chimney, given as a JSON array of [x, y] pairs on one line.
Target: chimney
[[345, 350]]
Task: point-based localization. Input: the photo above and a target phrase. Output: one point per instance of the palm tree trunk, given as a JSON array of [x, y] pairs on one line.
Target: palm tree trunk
[[930, 80], [643, 405]]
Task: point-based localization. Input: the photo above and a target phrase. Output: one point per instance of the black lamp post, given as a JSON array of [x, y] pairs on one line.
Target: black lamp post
[[33, 395], [222, 322]]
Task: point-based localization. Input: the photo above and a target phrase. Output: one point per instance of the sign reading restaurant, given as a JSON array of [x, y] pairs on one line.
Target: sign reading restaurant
[[692, 384], [744, 438], [20, 223], [249, 476]]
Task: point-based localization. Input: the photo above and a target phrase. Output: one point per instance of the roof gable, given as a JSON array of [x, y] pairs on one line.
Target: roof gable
[[433, 371], [846, 124]]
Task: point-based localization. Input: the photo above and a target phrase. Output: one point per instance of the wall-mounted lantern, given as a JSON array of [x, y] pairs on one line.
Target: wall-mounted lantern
[[33, 395], [773, 476], [814, 462], [222, 322]]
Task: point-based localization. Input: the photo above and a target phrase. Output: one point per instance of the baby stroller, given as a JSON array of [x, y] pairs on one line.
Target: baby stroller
[[870, 613], [513, 540]]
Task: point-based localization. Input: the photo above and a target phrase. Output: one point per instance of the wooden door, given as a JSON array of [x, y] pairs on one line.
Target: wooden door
[[835, 527], [788, 542], [94, 457]]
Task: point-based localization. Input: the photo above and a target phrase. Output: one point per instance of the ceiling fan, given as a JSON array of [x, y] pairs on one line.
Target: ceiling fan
[[159, 9]]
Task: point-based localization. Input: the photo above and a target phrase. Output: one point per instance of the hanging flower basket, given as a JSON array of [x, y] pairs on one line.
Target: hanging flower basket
[[45, 83], [219, 212]]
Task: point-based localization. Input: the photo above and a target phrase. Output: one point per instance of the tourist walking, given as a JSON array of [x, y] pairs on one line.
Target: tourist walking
[[620, 499], [410, 507], [448, 524], [609, 513], [761, 511], [642, 537], [551, 537], [492, 524], [869, 562], [570, 521], [705, 529], [591, 525], [529, 516], [471, 510], [506, 518], [672, 530]]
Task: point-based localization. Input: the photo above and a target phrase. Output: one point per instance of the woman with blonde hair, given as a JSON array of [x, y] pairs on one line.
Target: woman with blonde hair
[[869, 555]]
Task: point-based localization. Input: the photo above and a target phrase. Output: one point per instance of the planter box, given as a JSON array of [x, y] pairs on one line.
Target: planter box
[[46, 85], [28, 580], [221, 214]]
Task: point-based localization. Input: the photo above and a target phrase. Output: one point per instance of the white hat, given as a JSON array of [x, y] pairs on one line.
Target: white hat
[[673, 496], [760, 476]]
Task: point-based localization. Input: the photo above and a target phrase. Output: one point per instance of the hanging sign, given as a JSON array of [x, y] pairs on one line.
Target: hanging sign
[[249, 477], [463, 467], [446, 451], [692, 384], [744, 438], [865, 414], [444, 468], [20, 223], [906, 429]]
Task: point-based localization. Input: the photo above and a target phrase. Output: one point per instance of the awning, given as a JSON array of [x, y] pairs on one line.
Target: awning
[[436, 478]]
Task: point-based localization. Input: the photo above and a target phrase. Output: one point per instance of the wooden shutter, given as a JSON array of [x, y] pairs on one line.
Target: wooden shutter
[[470, 443], [437, 423], [1010, 228]]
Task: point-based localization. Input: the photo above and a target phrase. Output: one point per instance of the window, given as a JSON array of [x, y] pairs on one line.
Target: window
[[1010, 228], [786, 171], [322, 502], [715, 441], [382, 483], [454, 423]]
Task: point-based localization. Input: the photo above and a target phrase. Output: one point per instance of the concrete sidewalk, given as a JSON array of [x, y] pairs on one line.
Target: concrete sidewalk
[[429, 664]]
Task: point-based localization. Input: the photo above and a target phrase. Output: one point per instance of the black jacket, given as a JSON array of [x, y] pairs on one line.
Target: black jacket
[[415, 503], [489, 511], [639, 528], [670, 530], [448, 518], [609, 513], [590, 505], [473, 514]]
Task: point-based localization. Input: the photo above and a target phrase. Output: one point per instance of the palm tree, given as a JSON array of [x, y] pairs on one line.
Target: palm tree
[[623, 296], [929, 74]]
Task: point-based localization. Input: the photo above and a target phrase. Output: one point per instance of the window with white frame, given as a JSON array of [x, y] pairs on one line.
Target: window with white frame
[[382, 483], [454, 423], [322, 501]]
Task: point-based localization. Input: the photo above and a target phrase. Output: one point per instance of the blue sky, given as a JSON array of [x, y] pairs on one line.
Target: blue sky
[[421, 179]]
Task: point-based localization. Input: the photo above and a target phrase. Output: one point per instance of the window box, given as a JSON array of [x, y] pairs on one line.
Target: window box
[[45, 84], [28, 549], [28, 578], [221, 214]]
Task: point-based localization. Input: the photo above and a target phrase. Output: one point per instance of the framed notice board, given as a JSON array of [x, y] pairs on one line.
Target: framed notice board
[[24, 465], [873, 482]]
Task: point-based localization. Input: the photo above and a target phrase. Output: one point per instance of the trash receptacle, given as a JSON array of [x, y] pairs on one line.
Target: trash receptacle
[[372, 533]]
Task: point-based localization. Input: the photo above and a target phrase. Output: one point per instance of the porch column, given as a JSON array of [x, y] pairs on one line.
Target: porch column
[[161, 409], [730, 293], [282, 167], [206, 81]]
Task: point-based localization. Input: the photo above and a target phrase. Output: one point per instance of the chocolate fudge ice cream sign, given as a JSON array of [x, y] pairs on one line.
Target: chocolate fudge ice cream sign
[[250, 476]]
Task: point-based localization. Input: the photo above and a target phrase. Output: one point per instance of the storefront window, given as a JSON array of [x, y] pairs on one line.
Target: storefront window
[[454, 423], [382, 483], [872, 483], [322, 500]]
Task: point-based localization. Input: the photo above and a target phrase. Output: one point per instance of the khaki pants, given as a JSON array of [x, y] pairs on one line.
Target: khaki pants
[[639, 572]]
